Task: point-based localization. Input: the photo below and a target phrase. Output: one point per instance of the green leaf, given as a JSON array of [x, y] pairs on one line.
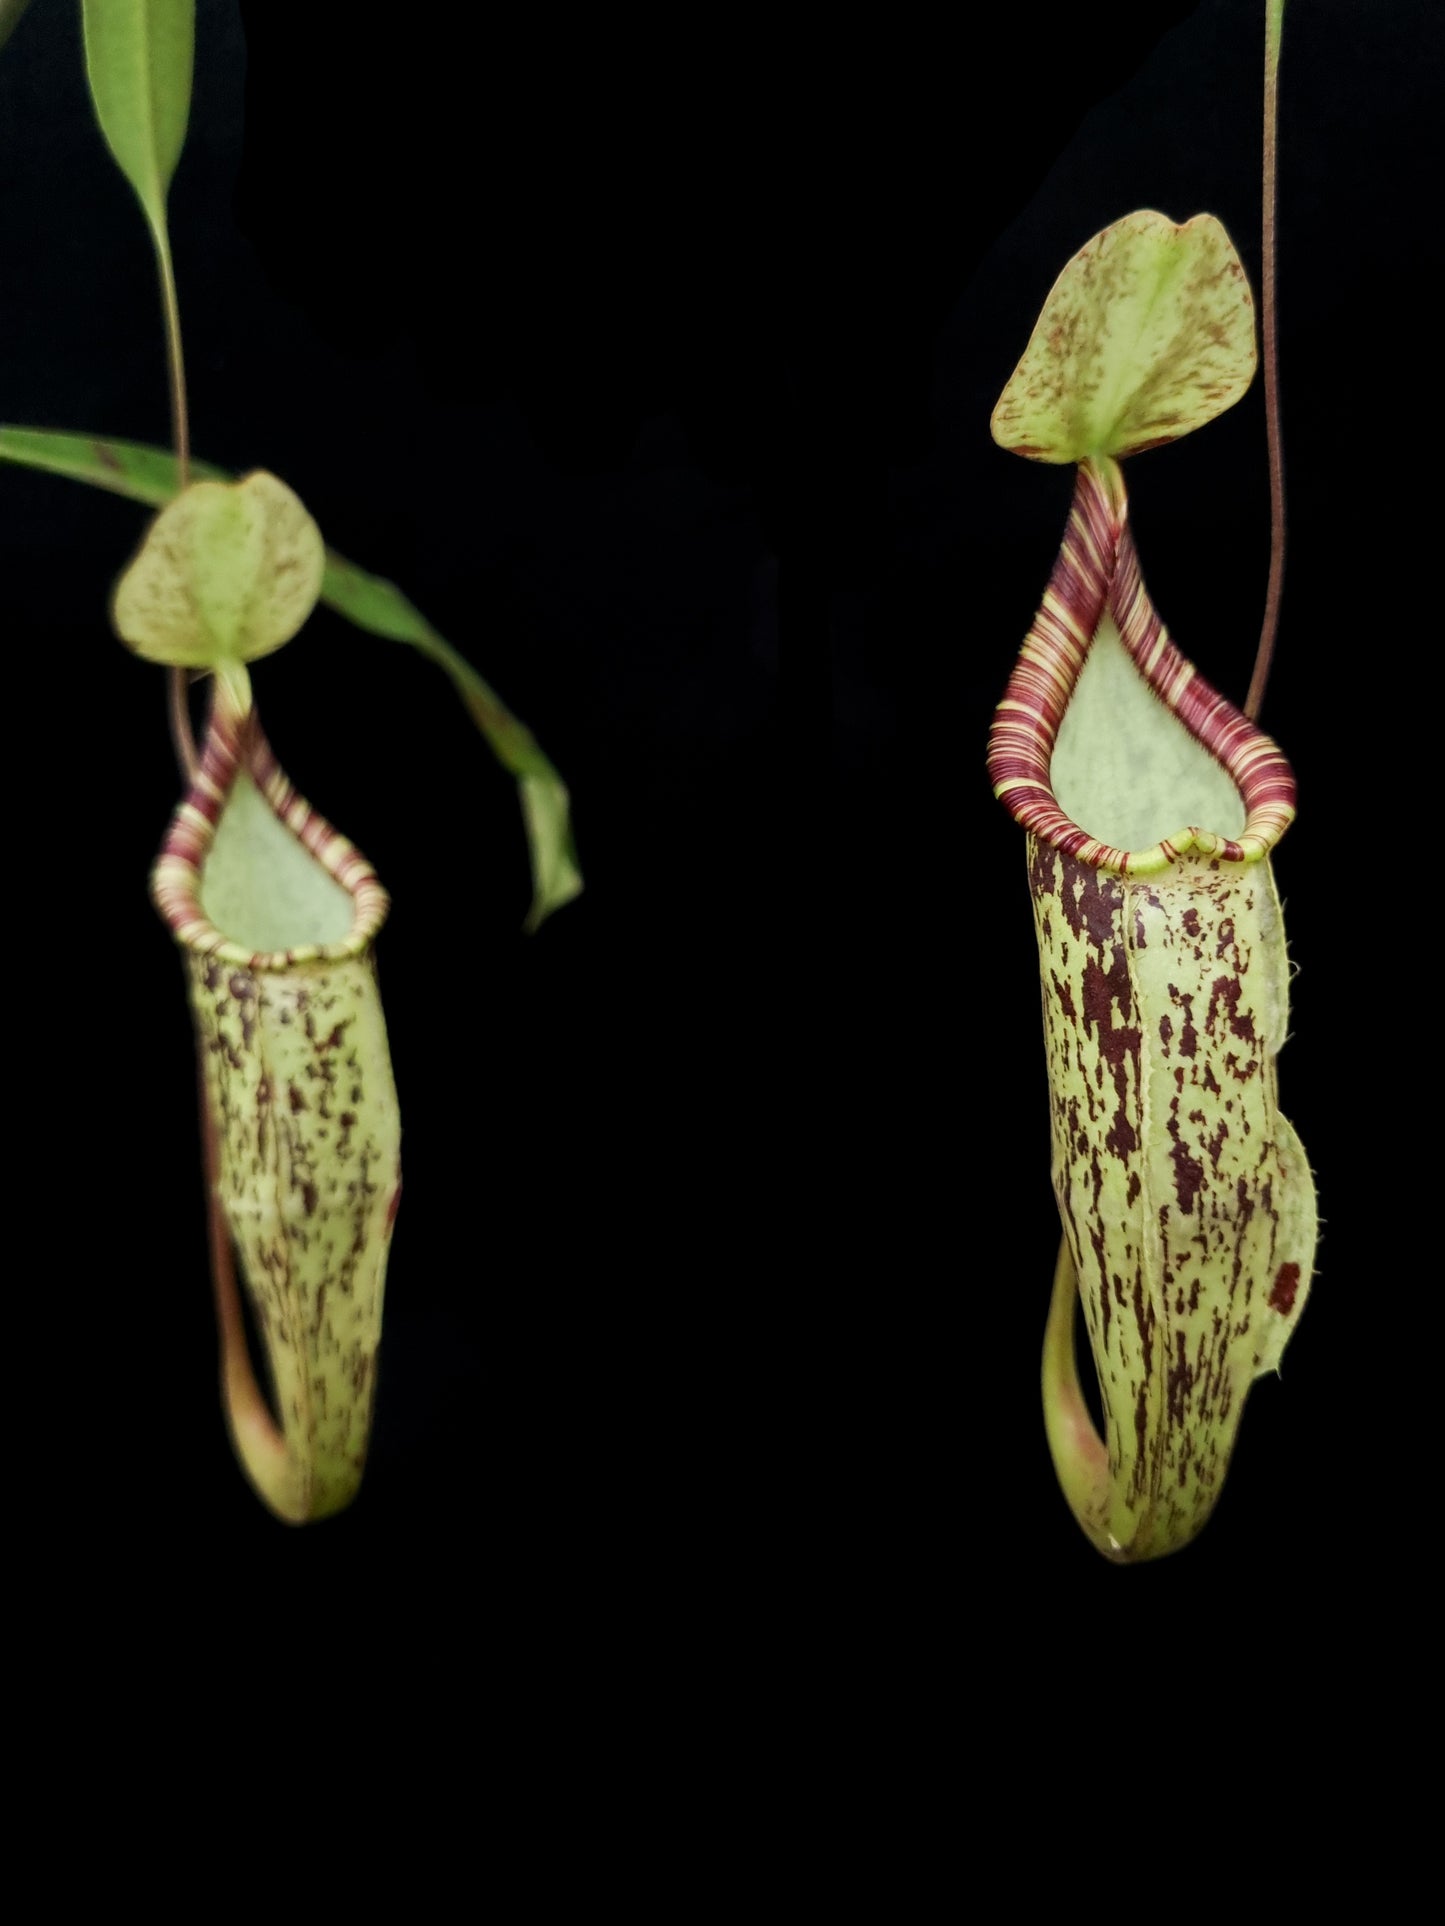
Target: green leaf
[[1147, 334], [380, 607], [146, 474], [138, 59]]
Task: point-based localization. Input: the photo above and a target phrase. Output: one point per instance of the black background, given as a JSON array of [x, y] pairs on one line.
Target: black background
[[716, 1300]]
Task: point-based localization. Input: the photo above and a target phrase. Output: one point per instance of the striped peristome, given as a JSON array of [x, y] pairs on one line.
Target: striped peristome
[[1187, 1203], [175, 881], [303, 1131], [1097, 570]]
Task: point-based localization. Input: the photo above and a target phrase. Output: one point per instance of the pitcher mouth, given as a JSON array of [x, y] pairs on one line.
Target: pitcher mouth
[[1097, 576], [235, 749]]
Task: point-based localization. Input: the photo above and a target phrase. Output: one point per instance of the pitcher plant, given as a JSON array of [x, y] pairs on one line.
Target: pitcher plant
[[1150, 807], [274, 911]]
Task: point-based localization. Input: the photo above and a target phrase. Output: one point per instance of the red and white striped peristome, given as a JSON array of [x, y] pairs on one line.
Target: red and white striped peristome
[[1097, 571], [231, 743]]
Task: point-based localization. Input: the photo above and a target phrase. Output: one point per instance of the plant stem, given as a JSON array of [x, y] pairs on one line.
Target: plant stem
[[178, 708], [1264, 655]]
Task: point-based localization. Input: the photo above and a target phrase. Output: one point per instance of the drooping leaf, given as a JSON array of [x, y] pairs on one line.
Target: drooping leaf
[[135, 469], [227, 572], [147, 474], [139, 56], [1147, 334], [378, 606]]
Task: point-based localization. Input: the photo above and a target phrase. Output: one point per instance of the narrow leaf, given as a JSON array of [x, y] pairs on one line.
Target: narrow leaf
[[139, 56], [380, 607], [135, 469], [1147, 334], [147, 474]]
